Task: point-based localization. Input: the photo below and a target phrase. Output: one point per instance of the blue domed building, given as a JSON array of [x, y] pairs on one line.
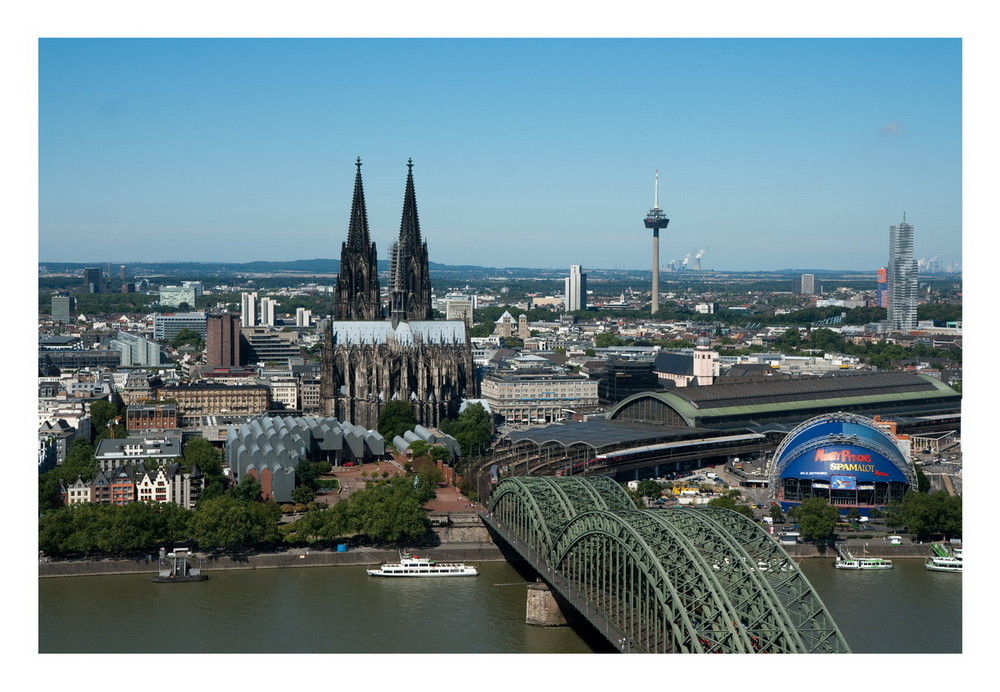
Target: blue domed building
[[847, 459]]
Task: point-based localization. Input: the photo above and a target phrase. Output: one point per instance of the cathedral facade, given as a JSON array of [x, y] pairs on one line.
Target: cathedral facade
[[373, 356]]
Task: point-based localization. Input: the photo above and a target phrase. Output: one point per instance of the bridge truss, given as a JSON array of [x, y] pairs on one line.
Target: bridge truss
[[666, 580]]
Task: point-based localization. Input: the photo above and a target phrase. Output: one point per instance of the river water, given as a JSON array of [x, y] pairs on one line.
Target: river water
[[342, 610]]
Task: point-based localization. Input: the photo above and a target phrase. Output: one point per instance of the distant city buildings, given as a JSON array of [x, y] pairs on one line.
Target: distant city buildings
[[902, 278], [173, 296], [575, 290], [93, 280], [807, 285], [882, 289], [63, 309]]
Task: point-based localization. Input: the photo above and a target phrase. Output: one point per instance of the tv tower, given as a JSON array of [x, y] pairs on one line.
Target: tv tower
[[656, 220]]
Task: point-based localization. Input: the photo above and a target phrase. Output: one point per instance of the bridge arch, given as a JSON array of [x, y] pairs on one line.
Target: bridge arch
[[668, 581]]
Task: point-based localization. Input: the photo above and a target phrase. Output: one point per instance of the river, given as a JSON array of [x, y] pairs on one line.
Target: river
[[342, 610]]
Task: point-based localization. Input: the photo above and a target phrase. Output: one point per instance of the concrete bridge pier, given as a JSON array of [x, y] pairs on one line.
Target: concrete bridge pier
[[542, 608]]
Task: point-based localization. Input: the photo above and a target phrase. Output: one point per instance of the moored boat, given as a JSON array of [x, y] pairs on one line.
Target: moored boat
[[944, 564], [416, 566], [851, 562]]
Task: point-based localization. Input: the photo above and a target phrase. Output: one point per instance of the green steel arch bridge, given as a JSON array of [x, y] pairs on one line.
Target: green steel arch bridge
[[662, 580]]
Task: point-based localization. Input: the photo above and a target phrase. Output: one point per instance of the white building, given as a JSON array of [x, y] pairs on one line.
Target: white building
[[248, 309], [267, 306], [575, 296], [303, 317], [902, 278], [175, 295]]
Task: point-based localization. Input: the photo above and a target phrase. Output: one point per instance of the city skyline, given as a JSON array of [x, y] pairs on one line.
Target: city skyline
[[772, 153]]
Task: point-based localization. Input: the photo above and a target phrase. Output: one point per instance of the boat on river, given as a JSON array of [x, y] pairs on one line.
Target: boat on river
[[851, 562], [944, 564], [943, 561], [416, 566]]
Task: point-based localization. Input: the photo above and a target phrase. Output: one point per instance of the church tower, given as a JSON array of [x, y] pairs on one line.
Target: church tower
[[409, 273], [357, 283]]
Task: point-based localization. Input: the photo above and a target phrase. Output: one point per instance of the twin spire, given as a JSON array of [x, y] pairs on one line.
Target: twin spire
[[409, 275]]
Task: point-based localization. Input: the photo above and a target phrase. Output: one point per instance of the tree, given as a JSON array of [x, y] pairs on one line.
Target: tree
[[303, 495], [777, 516], [817, 519], [228, 523], [247, 490], [729, 502], [931, 514], [396, 418], [648, 488], [186, 337], [102, 412], [472, 429], [607, 340]]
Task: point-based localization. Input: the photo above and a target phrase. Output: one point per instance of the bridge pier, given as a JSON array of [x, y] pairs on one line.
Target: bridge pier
[[542, 608]]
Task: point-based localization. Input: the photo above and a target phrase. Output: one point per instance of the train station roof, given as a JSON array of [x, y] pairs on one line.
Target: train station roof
[[600, 433]]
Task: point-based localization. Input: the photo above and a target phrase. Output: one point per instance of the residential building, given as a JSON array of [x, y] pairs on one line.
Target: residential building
[[267, 308], [112, 453], [248, 309], [151, 417], [807, 286], [303, 317]]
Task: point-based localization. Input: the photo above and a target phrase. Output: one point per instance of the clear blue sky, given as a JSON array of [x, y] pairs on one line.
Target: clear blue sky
[[782, 153]]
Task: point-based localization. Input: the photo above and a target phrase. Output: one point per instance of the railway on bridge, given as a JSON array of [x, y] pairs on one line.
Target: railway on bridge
[[661, 581]]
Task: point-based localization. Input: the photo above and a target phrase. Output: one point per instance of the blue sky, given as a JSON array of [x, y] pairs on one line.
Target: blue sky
[[773, 153]]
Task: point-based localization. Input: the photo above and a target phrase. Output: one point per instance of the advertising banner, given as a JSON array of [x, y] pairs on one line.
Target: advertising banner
[[848, 464]]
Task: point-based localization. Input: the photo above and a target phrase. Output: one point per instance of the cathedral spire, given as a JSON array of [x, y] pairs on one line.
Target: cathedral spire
[[410, 282], [357, 295], [409, 227], [357, 232]]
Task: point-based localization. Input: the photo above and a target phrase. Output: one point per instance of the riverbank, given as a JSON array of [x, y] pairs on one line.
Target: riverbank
[[294, 557]]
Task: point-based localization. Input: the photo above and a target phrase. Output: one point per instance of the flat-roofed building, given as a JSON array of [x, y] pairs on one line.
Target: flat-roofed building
[[212, 399], [167, 325], [535, 396]]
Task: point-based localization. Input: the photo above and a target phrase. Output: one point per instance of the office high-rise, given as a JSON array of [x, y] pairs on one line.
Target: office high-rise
[[575, 296], [808, 286], [222, 341], [902, 278]]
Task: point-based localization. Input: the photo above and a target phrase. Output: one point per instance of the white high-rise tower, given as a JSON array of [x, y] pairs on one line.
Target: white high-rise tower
[[902, 278], [575, 296], [655, 219], [248, 309]]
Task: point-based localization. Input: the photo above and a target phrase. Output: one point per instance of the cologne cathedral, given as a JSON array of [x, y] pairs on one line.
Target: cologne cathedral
[[371, 356]]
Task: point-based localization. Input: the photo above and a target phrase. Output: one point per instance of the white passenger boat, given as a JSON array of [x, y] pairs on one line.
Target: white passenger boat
[[944, 564], [416, 566], [851, 562]]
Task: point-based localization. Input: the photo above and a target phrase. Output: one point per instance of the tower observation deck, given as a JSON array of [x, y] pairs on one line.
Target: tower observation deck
[[655, 219]]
